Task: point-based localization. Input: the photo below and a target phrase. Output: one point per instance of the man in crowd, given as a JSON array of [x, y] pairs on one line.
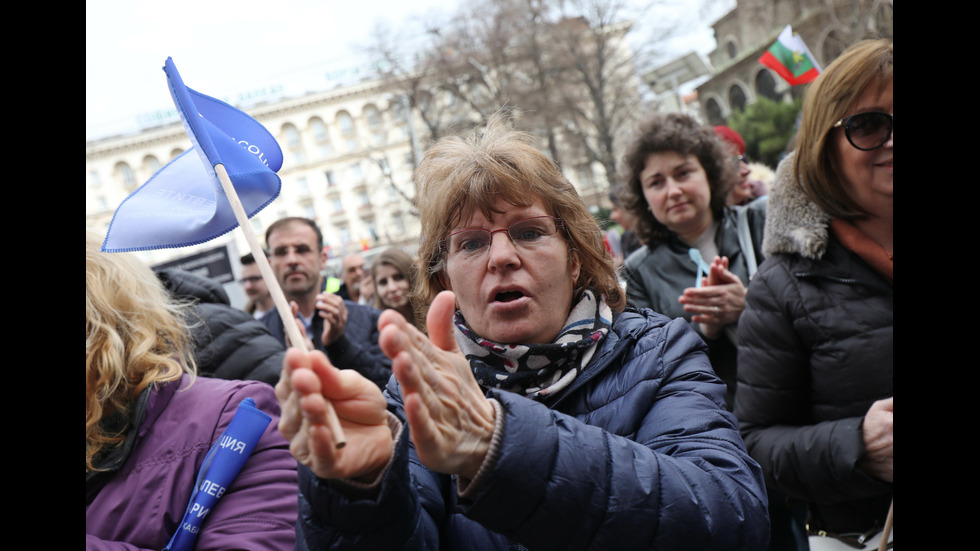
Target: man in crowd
[[259, 299], [345, 331], [353, 274]]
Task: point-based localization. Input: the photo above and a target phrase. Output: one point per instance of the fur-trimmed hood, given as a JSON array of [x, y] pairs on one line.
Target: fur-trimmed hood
[[794, 224]]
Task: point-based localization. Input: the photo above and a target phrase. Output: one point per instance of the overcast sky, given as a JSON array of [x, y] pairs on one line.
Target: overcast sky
[[248, 48]]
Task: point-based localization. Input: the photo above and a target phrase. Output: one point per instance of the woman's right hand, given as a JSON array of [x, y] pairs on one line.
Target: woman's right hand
[[307, 382], [878, 431]]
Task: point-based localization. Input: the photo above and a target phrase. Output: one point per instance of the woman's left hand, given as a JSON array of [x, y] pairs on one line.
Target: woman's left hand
[[718, 302], [450, 418]]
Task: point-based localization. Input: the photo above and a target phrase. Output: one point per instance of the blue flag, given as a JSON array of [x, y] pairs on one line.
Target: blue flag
[[220, 467], [184, 204]]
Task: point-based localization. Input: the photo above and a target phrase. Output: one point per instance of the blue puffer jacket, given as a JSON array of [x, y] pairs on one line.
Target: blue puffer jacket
[[639, 453]]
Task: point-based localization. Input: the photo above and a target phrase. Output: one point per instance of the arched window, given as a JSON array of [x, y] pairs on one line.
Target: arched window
[[736, 98], [347, 130], [150, 165], [714, 112], [321, 136], [375, 124], [294, 142], [765, 85], [124, 173], [400, 115], [292, 136]]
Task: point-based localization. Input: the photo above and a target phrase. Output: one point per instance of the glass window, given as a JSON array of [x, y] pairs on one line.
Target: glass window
[[126, 175], [292, 136]]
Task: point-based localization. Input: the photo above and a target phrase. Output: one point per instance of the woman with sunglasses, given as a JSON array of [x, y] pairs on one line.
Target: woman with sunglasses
[[694, 264], [815, 340], [537, 413]]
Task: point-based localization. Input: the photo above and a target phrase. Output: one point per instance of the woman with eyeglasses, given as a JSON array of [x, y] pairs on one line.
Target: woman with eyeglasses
[[815, 341], [698, 253], [537, 412]]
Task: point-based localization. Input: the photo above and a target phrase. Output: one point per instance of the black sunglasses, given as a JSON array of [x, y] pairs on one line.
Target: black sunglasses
[[867, 131]]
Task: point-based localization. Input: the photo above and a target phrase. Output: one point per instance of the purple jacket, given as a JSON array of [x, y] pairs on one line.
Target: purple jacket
[[143, 502]]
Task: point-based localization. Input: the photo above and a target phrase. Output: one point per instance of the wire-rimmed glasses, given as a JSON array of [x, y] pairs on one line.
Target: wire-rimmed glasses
[[527, 234]]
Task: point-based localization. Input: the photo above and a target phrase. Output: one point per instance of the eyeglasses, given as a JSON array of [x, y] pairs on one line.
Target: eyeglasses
[[867, 131], [743, 158], [250, 279], [527, 234]]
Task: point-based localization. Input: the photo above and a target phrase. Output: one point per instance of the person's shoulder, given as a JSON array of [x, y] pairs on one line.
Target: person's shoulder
[[637, 257], [638, 322], [215, 386], [270, 317]]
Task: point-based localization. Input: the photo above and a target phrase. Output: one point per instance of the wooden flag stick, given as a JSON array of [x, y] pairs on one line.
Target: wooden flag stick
[[888, 528], [278, 297]]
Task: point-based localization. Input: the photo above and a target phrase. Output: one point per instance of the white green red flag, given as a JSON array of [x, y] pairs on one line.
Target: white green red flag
[[791, 59]]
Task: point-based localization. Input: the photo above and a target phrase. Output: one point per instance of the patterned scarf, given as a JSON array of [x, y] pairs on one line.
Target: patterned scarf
[[538, 370]]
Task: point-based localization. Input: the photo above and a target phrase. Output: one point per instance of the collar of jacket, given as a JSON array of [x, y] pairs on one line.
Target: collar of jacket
[[112, 461], [794, 224], [607, 356]]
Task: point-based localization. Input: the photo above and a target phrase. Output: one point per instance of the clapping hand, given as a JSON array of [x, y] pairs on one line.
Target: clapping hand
[[718, 302], [450, 418]]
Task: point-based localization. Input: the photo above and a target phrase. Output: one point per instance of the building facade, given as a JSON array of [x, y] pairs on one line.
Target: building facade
[[742, 35]]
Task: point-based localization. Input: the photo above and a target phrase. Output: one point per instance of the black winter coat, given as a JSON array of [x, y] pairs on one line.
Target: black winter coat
[[815, 351], [230, 343]]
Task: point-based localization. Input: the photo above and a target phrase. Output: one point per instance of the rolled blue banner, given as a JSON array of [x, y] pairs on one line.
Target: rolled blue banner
[[221, 465]]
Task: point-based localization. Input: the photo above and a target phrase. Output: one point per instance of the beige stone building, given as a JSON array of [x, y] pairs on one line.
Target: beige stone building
[[747, 31]]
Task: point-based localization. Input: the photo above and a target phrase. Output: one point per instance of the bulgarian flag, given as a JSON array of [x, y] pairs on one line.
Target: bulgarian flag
[[791, 59]]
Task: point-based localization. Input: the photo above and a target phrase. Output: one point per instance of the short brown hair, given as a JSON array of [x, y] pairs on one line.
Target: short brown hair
[[289, 220], [830, 98], [684, 135], [458, 177]]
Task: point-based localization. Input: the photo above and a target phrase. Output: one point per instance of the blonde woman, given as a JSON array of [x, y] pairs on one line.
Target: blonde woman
[[149, 422]]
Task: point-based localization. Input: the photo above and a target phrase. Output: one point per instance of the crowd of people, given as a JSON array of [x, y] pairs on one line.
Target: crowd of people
[[716, 375]]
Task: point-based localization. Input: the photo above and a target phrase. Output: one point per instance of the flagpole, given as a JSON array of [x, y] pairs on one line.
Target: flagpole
[[278, 298]]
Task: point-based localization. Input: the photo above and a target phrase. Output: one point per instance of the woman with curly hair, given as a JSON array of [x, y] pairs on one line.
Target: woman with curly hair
[[150, 421], [678, 178]]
